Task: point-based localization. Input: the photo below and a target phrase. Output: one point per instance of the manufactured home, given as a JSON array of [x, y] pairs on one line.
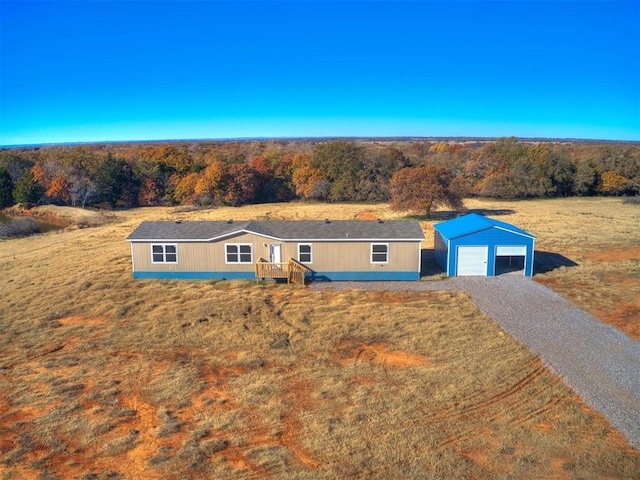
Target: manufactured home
[[477, 245], [295, 250]]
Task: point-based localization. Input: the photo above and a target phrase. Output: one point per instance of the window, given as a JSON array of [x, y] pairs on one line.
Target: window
[[164, 254], [238, 253], [305, 253], [379, 253]]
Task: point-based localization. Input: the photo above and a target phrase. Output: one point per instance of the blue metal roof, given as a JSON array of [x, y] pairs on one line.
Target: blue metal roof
[[472, 223]]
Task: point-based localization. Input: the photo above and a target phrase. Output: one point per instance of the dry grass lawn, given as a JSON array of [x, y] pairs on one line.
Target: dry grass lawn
[[102, 376], [601, 237]]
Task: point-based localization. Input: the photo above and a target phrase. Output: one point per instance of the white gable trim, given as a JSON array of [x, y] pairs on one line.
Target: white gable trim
[[489, 227]]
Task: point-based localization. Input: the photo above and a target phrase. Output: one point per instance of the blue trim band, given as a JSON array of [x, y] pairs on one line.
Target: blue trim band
[[363, 276], [316, 276]]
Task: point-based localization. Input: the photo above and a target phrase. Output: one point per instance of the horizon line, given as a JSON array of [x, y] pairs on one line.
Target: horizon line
[[321, 137]]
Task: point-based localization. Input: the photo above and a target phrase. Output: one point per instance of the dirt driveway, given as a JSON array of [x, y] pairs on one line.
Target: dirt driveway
[[600, 363]]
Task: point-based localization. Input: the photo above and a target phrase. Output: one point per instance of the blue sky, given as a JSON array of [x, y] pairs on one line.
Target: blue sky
[[145, 70]]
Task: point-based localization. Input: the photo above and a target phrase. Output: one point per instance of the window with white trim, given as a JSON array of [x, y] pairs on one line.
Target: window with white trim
[[164, 253], [238, 253], [379, 253], [305, 253]]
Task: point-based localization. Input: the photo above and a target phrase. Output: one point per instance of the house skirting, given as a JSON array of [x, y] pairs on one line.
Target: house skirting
[[195, 275], [362, 276], [315, 276]]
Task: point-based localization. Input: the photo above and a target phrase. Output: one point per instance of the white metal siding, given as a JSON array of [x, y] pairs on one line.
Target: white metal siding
[[472, 261]]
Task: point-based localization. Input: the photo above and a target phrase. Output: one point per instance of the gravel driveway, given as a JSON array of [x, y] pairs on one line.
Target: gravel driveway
[[600, 363]]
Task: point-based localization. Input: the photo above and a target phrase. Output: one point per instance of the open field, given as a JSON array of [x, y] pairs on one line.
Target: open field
[[587, 249], [105, 377]]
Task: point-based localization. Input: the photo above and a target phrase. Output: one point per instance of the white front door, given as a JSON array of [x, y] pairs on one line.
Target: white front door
[[472, 261], [275, 253]]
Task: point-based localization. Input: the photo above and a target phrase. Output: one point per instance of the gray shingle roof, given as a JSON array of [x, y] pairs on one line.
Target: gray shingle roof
[[281, 230]]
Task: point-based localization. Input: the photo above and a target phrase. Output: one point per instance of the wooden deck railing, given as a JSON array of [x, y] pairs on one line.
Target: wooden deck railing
[[297, 272], [292, 270]]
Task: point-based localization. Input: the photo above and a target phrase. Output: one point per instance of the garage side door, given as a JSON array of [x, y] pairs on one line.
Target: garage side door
[[472, 261]]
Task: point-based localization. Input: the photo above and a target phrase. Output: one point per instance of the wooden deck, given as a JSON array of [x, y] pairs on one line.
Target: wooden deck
[[292, 270]]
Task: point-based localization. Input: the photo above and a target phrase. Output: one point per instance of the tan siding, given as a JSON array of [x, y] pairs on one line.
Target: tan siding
[[327, 256], [200, 256], [356, 257]]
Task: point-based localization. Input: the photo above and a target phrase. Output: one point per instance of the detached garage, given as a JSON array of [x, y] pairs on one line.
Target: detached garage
[[481, 246]]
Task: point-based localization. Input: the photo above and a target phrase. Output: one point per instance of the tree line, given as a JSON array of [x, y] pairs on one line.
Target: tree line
[[237, 173]]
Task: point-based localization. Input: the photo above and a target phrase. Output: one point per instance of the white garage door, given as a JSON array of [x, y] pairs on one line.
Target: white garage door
[[472, 261], [504, 251]]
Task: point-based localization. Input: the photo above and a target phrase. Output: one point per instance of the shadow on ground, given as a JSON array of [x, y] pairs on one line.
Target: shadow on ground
[[548, 261], [428, 265], [543, 262]]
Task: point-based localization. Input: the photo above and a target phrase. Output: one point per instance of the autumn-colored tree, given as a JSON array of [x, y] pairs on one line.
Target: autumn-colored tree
[[58, 190], [308, 182], [268, 183], [174, 157], [41, 175], [185, 190], [456, 147], [241, 185], [357, 171], [154, 178], [150, 192], [484, 168], [613, 184], [420, 189], [210, 184], [299, 160], [439, 148], [262, 166], [77, 165]]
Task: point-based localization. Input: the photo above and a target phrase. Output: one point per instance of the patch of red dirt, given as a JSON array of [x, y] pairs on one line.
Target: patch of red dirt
[[299, 400], [6, 446], [392, 297], [217, 378], [624, 317], [237, 460], [291, 296], [612, 255], [148, 443], [70, 321], [427, 227], [366, 216], [480, 456], [621, 307], [363, 379], [22, 415], [379, 353]]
